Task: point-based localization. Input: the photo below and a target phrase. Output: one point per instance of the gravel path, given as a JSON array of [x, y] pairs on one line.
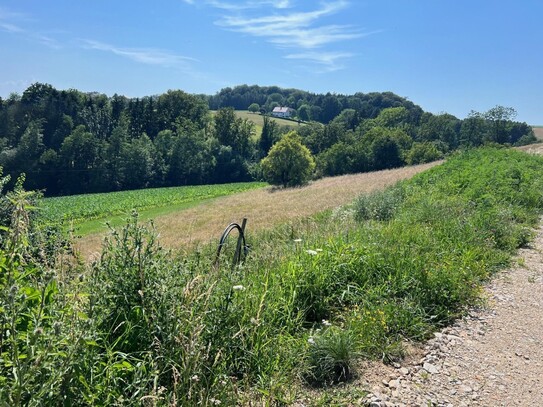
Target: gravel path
[[492, 357]]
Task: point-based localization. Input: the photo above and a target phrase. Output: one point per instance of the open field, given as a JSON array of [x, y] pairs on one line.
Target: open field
[[258, 120], [264, 208], [532, 148], [538, 131], [88, 212]]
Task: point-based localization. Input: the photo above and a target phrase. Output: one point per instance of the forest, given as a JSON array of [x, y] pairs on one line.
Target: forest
[[71, 142]]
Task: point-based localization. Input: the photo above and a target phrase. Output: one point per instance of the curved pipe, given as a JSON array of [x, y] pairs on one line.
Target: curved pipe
[[241, 240]]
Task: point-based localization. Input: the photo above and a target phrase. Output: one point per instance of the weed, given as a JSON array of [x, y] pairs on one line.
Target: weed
[[330, 357]]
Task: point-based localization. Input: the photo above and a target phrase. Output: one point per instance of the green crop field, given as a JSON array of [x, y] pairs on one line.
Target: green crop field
[[93, 208]]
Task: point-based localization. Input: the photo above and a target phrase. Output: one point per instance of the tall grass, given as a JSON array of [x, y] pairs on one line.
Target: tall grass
[[144, 326]]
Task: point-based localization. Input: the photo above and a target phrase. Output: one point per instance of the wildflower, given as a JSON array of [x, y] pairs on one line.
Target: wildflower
[[214, 401], [195, 378], [311, 340], [326, 322], [311, 252], [238, 288], [297, 240]]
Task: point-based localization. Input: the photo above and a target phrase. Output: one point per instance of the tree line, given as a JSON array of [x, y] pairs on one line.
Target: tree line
[[69, 142]]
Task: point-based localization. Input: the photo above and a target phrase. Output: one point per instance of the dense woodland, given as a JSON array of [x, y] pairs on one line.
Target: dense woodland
[[70, 142]]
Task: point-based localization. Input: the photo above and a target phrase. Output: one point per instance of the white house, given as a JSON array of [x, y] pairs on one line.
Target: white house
[[282, 111]]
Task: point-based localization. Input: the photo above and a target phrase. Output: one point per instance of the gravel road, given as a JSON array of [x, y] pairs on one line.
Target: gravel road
[[492, 357]]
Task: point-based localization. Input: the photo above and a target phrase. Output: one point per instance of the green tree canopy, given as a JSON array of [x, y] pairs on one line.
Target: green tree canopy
[[254, 107], [289, 162]]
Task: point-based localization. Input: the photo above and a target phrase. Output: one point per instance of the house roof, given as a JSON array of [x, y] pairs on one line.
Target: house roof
[[281, 109]]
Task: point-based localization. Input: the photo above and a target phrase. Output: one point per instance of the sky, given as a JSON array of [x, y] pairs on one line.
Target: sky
[[446, 56]]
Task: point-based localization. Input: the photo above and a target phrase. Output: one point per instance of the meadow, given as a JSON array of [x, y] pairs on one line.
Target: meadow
[[183, 227], [258, 120], [146, 326]]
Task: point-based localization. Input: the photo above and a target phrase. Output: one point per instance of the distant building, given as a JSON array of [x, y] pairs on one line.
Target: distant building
[[282, 111]]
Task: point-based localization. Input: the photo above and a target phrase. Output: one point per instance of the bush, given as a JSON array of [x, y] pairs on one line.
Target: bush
[[421, 153]]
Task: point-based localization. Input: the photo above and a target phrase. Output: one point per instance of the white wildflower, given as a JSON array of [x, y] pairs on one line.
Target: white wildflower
[[311, 340], [238, 288], [297, 240], [326, 322], [195, 378], [311, 252], [214, 401]]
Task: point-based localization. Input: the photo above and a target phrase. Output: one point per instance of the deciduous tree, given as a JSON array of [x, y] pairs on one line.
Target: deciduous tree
[[289, 162]]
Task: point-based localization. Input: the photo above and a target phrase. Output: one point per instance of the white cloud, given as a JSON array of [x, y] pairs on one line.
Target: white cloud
[[328, 61], [149, 56], [242, 5], [7, 23], [12, 28], [285, 26], [8, 19]]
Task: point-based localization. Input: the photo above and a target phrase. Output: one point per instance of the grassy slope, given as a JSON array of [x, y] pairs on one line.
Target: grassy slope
[[258, 120], [311, 298], [264, 208]]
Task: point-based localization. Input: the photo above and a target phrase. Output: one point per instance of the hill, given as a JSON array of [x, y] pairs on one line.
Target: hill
[[69, 142]]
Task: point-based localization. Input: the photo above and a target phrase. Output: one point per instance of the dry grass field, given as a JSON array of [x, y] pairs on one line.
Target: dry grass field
[[538, 131], [532, 148], [264, 208]]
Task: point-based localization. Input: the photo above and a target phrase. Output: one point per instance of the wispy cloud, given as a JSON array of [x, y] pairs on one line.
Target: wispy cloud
[[14, 23], [294, 29], [9, 21], [12, 28], [149, 56], [284, 25], [242, 5], [327, 61]]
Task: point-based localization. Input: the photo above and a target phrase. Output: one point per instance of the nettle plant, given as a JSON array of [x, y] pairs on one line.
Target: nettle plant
[[37, 344]]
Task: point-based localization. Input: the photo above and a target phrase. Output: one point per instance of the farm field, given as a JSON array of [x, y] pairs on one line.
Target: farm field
[[88, 212], [258, 120], [264, 208], [538, 131]]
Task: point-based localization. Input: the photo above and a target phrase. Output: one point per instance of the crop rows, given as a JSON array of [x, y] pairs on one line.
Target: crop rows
[[78, 208]]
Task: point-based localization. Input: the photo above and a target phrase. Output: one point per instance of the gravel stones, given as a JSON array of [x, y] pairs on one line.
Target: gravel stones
[[491, 357]]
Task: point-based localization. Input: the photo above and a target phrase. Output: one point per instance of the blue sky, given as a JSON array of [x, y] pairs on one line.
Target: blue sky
[[447, 56]]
